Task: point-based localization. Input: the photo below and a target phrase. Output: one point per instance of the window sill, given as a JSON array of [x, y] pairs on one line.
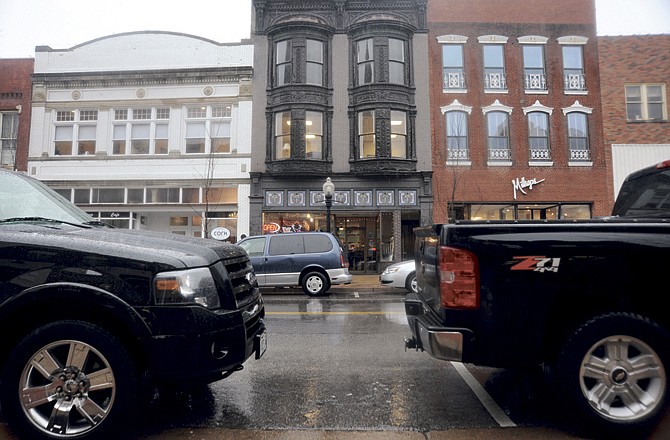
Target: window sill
[[536, 92], [501, 91], [499, 163], [585, 163], [459, 163], [541, 163], [576, 92], [461, 91]]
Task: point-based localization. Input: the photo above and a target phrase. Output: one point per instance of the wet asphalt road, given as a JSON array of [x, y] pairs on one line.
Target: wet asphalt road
[[336, 368]]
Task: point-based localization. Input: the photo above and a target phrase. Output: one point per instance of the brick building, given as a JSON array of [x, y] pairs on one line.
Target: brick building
[[634, 74], [515, 110], [15, 95]]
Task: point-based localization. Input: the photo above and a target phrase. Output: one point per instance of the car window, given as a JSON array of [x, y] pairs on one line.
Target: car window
[[645, 196], [286, 244], [317, 243], [24, 196], [254, 246]]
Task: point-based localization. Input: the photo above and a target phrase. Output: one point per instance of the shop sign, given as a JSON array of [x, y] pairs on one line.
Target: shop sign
[[523, 184], [220, 234], [270, 228]]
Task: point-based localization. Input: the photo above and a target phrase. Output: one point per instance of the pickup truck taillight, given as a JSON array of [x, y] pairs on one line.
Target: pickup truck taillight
[[459, 278]]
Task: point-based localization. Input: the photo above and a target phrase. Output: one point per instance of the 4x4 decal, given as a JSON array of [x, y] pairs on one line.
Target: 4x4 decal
[[537, 263]]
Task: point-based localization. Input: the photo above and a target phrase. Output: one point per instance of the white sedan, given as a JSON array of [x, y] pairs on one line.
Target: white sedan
[[402, 275]]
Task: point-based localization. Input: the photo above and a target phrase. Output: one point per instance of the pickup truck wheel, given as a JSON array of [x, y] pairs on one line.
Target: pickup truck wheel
[[410, 282], [314, 284], [68, 380], [614, 369]]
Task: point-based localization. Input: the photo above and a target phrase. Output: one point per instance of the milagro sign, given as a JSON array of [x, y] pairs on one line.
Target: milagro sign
[[522, 184]]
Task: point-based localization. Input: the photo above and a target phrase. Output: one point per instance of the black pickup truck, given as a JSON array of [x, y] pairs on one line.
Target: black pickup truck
[[586, 300], [92, 316]]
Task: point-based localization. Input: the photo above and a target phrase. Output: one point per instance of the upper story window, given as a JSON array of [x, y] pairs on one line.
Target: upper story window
[[208, 129], [140, 131], [578, 136], [398, 134], [453, 62], [283, 63], [646, 102], [535, 77], [574, 78], [578, 132], [456, 120], [498, 135], [298, 134], [493, 57], [538, 136], [299, 60], [314, 62], [396, 61], [538, 132], [365, 62], [313, 135], [366, 134], [494, 67], [457, 135], [573, 68], [373, 144], [371, 51], [75, 132], [9, 132]]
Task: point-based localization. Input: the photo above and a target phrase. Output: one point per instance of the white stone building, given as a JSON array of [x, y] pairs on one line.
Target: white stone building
[[147, 130]]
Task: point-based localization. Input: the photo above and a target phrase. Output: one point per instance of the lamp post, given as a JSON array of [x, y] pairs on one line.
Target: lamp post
[[328, 191]]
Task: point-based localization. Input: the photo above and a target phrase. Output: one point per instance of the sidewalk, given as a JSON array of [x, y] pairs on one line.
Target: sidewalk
[[359, 283]]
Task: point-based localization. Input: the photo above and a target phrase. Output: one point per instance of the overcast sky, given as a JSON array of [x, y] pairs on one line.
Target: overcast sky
[[62, 24]]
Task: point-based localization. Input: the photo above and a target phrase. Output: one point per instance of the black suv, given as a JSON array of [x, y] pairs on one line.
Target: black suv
[[91, 314]]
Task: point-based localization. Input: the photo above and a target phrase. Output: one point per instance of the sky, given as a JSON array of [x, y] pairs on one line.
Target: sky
[[62, 24]]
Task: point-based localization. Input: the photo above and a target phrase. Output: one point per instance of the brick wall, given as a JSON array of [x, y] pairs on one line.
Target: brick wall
[[625, 60], [481, 182], [16, 90]]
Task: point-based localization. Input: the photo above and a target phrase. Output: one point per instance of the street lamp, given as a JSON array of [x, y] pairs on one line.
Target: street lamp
[[328, 191]]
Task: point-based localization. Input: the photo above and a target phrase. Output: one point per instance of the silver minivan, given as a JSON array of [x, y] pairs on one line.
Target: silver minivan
[[312, 260]]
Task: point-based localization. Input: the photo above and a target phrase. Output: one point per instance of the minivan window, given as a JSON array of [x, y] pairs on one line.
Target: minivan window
[[286, 245], [254, 246], [317, 243]]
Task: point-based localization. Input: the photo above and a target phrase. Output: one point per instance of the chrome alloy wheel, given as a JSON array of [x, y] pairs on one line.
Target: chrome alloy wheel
[[623, 378], [67, 388]]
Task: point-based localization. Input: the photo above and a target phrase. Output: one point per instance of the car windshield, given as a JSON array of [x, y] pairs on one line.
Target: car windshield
[[25, 198]]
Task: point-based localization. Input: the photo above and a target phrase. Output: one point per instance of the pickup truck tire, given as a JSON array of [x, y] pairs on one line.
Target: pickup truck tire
[[69, 380], [315, 284], [614, 370], [410, 282]]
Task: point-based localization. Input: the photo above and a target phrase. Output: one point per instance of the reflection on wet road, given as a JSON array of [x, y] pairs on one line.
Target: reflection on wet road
[[336, 364]]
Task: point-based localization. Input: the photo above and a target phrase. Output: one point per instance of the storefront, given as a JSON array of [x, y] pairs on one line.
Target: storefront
[[374, 225]]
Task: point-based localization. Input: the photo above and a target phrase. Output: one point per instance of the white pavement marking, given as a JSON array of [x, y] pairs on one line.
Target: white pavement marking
[[491, 406], [356, 295]]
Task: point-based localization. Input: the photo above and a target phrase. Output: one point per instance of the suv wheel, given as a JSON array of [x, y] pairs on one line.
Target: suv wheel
[[68, 380], [314, 284]]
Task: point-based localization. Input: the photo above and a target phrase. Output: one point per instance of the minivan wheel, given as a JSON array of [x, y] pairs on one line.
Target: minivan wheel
[[314, 284]]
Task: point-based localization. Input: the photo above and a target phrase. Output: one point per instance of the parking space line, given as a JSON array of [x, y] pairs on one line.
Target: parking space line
[[491, 406]]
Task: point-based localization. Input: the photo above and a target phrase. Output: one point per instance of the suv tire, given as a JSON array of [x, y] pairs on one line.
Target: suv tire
[[69, 380]]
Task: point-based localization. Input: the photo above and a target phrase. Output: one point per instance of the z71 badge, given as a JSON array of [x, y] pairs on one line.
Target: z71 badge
[[537, 263]]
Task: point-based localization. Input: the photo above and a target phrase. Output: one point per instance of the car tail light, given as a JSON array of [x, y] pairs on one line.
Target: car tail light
[[663, 165], [343, 262], [459, 278]]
